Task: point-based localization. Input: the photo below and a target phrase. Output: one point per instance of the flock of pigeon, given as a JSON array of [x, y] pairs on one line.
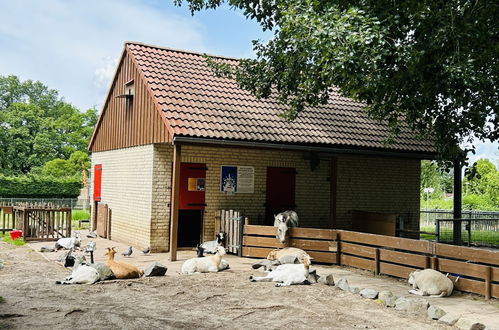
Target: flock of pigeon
[[129, 251]]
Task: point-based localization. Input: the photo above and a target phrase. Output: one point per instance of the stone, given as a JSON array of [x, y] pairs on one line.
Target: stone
[[354, 290], [156, 269], [435, 312], [388, 298], [467, 324], [369, 293], [343, 284], [46, 249], [105, 273], [329, 280], [289, 260], [449, 318], [411, 305], [313, 277]]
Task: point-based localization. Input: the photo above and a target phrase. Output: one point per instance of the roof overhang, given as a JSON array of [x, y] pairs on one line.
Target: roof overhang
[[297, 147]]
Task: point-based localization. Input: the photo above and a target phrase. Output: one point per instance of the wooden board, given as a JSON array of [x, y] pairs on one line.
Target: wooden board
[[359, 250], [466, 253], [329, 234], [357, 262], [375, 223], [271, 242], [462, 268], [256, 252], [464, 284], [495, 291], [403, 258], [386, 241], [323, 257], [395, 270], [260, 230]]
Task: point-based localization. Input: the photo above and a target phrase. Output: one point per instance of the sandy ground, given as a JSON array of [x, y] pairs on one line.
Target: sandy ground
[[219, 300]]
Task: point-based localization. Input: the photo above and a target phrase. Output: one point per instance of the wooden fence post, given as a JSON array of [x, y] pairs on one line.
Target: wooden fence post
[[376, 261], [338, 249], [434, 263], [242, 222], [488, 286]]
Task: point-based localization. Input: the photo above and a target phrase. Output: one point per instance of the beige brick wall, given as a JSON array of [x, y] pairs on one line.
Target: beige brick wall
[[127, 187], [378, 184], [137, 187]]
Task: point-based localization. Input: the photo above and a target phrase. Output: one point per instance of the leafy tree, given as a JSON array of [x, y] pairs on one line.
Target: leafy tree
[[430, 178], [483, 179], [36, 126], [71, 167], [431, 64]]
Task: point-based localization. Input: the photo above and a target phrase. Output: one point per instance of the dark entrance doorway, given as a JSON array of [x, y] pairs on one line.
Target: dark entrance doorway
[[191, 204], [280, 191]]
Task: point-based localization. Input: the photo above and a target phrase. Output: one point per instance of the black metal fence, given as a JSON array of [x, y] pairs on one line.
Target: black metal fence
[[474, 232], [73, 203]]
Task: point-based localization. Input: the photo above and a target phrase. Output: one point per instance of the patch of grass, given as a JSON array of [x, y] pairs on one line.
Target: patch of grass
[[80, 215], [2, 300], [6, 238]]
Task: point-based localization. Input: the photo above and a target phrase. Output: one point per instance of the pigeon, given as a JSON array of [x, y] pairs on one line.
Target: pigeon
[[146, 250], [128, 252], [92, 234]]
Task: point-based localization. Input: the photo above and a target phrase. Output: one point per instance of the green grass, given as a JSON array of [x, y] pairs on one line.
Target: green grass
[[480, 237], [2, 300], [80, 215], [6, 238]]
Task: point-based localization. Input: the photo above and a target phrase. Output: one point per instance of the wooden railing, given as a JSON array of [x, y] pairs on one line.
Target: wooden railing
[[477, 269], [43, 223], [7, 219]]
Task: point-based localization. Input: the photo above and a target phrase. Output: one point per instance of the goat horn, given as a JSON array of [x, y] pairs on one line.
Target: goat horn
[[457, 278]]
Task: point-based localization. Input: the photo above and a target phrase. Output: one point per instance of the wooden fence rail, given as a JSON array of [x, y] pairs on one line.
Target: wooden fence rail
[[43, 223], [477, 269], [7, 219]]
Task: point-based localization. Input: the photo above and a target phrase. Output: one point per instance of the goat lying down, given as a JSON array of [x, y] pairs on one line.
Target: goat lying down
[[211, 246], [429, 282], [210, 264], [81, 274], [288, 274], [287, 253], [121, 269]]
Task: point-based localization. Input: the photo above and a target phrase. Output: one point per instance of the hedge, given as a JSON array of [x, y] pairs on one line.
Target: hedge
[[36, 186]]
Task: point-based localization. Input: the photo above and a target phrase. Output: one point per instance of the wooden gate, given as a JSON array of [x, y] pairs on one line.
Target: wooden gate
[[43, 223], [478, 269], [232, 223]]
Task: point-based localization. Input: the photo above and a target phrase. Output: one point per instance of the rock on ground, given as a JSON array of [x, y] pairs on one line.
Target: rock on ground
[[412, 305], [354, 290], [369, 293], [46, 249], [435, 312], [156, 269], [329, 280], [343, 284], [388, 298], [449, 318], [467, 324], [313, 277], [105, 273]]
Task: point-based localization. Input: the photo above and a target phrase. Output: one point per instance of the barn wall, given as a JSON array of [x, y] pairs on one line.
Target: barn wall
[[127, 187], [377, 184], [120, 126]]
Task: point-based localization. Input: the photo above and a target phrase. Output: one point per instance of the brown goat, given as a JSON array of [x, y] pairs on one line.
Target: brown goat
[[122, 269]]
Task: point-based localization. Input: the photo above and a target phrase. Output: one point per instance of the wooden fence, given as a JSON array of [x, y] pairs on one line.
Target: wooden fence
[[477, 269], [42, 223], [231, 223], [7, 219]]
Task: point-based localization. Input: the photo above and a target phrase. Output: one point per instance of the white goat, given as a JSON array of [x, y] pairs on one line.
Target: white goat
[[211, 246], [81, 274], [283, 221], [68, 242], [429, 282], [286, 275], [205, 264]]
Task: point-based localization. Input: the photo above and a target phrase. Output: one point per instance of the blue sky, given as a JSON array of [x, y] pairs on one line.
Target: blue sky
[[73, 45]]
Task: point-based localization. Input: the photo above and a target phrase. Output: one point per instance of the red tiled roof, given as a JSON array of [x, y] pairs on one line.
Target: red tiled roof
[[196, 103]]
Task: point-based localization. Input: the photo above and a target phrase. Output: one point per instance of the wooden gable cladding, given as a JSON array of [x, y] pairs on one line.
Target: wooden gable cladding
[[122, 125]]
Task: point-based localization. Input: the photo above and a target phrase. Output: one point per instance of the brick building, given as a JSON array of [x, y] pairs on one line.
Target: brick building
[[175, 144]]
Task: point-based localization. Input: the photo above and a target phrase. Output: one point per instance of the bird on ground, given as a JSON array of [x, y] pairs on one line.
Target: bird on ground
[[146, 250], [128, 252]]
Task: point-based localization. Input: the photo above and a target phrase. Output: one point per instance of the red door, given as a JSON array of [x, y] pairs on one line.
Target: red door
[[97, 182], [280, 191], [191, 203]]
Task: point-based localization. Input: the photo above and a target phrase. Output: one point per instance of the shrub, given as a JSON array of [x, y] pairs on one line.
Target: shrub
[[37, 186]]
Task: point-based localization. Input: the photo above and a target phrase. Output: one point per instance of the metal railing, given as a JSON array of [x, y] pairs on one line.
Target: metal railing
[[428, 218], [473, 232], [73, 203]]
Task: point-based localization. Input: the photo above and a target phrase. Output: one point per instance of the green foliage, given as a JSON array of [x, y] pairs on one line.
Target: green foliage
[[428, 65], [482, 178], [38, 126], [71, 167], [39, 186]]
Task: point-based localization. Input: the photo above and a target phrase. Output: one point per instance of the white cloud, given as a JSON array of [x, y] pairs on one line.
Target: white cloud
[[485, 150], [72, 46]]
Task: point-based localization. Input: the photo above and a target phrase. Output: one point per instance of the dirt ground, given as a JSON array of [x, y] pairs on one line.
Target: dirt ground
[[219, 300]]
